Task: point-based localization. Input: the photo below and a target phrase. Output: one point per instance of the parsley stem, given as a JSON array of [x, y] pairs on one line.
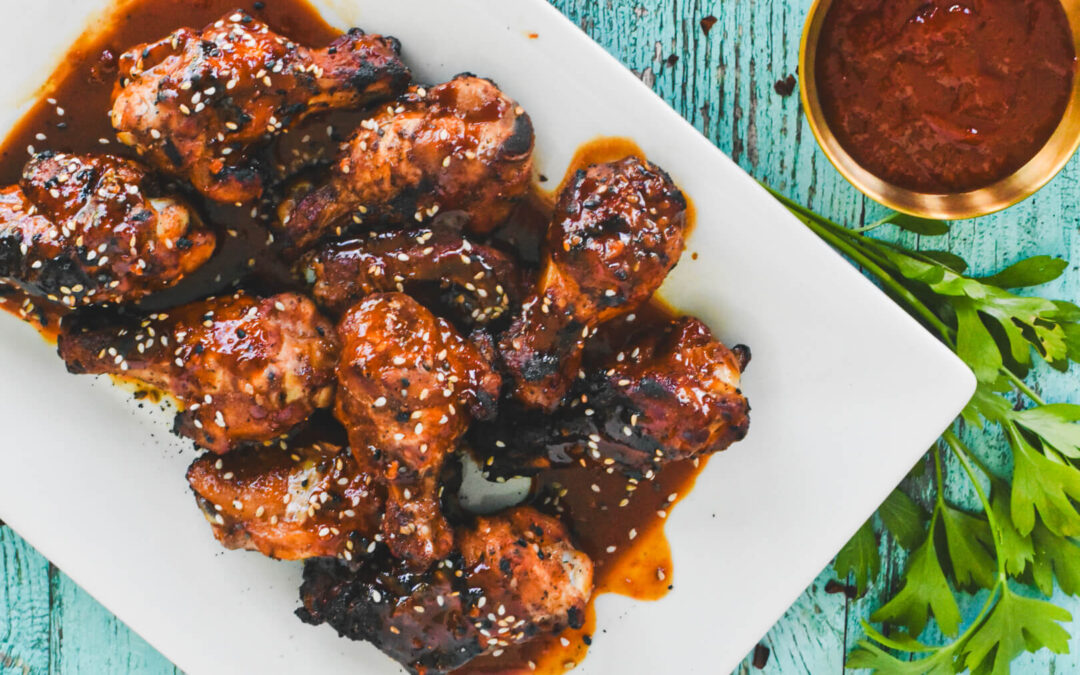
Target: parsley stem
[[853, 246], [940, 484], [1023, 387], [962, 454], [872, 226]]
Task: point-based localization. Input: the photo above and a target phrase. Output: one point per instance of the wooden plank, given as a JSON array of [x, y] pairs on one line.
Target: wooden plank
[[24, 607]]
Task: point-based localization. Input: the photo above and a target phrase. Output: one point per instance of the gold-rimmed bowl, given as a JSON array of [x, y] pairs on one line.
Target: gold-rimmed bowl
[[1020, 185]]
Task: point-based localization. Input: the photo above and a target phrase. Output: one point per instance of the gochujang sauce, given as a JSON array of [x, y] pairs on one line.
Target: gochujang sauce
[[944, 96], [618, 522]]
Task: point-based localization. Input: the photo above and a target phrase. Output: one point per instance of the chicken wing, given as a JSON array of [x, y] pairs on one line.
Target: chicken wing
[[667, 396], [196, 103], [83, 229], [462, 146], [408, 386], [247, 370], [515, 575], [478, 282], [288, 503], [618, 230]]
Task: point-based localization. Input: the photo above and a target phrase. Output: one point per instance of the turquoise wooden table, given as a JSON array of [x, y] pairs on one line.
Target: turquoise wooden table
[[725, 65]]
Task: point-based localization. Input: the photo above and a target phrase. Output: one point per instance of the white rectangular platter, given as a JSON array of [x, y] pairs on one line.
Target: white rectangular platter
[[847, 390]]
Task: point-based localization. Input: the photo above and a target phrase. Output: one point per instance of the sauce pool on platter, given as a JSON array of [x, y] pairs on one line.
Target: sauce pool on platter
[[944, 96], [595, 467]]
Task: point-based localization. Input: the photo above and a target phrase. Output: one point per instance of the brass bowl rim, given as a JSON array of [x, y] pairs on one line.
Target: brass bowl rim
[[1015, 188]]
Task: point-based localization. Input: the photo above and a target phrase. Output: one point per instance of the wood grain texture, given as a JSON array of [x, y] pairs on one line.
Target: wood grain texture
[[723, 82]]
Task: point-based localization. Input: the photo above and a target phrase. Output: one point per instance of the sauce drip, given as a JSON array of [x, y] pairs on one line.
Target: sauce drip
[[944, 96], [619, 524]]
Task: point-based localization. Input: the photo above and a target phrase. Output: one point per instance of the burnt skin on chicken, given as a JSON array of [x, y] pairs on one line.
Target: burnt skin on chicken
[[246, 370], [477, 283], [197, 102], [462, 146], [617, 231], [667, 396], [513, 576], [91, 229], [289, 502], [408, 386]]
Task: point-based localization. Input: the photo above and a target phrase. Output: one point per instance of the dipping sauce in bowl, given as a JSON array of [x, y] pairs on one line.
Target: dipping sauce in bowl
[[944, 108]]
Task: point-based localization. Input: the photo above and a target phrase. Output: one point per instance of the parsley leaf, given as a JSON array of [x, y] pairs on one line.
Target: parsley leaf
[[1015, 625], [859, 557], [1056, 424], [968, 538], [902, 517], [924, 226], [925, 590], [867, 655], [1044, 483], [1015, 548], [1033, 271], [1055, 557]]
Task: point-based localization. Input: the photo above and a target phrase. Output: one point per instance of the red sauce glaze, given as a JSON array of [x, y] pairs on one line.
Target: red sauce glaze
[[944, 96]]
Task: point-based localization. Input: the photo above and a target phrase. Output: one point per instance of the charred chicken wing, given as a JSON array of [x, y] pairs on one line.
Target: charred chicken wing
[[617, 231], [462, 146], [477, 282], [196, 102], [666, 397], [288, 503], [408, 386], [83, 229], [246, 370], [676, 392], [513, 576]]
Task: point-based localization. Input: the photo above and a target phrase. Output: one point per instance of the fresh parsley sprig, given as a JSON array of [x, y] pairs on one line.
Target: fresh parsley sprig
[[1023, 532]]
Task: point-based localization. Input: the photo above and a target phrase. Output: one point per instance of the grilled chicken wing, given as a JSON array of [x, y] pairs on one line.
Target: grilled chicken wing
[[514, 576], [459, 146], [477, 282], [667, 396], [617, 231], [676, 392], [288, 503], [82, 229], [196, 102], [246, 370], [408, 386]]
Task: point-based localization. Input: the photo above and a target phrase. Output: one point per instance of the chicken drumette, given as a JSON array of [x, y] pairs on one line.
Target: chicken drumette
[[477, 282], [513, 576], [408, 386], [667, 396], [462, 146], [82, 229], [617, 231], [289, 502], [247, 370], [196, 102]]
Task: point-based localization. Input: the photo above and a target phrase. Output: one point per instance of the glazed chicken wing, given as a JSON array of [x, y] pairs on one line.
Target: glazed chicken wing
[[246, 370], [460, 146], [515, 575], [667, 396], [408, 386], [670, 396], [477, 282], [617, 231], [83, 229], [288, 503], [196, 102]]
